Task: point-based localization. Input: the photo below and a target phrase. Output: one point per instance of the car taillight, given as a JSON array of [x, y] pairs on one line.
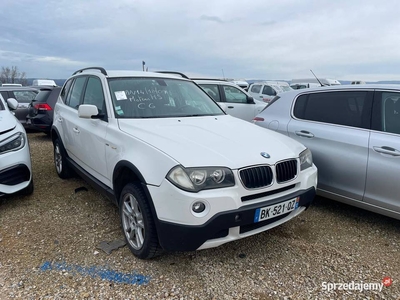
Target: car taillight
[[42, 106], [258, 119]]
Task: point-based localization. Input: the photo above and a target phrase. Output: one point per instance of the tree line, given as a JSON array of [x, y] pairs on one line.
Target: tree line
[[12, 75]]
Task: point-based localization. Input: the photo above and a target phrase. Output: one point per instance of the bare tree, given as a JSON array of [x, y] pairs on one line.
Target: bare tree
[[12, 75]]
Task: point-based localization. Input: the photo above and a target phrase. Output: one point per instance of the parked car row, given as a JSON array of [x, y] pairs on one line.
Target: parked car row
[[186, 175], [35, 104]]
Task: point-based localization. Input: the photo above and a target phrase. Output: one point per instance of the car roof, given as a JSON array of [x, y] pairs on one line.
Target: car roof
[[17, 88], [126, 73], [214, 81], [343, 87]]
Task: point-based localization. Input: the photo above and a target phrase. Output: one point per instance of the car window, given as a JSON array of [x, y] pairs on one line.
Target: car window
[[343, 108], [5, 95], [234, 95], [42, 96], [24, 96], [65, 90], [387, 112], [255, 88], [159, 98], [286, 88], [267, 90], [94, 94], [74, 97], [212, 91]]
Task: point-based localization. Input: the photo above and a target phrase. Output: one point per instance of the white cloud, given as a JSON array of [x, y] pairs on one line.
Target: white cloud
[[261, 39]]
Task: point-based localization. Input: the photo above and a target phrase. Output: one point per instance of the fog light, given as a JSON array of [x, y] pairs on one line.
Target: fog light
[[198, 207]]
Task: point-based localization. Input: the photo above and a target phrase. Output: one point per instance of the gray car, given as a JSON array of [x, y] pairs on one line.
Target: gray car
[[354, 135], [24, 96]]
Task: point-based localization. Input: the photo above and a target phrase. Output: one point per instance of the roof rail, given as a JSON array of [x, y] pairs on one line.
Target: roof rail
[[172, 72], [216, 79], [102, 70]]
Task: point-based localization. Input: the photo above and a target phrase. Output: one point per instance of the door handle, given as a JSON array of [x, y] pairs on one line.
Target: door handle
[[231, 107], [304, 133], [76, 130], [387, 150]]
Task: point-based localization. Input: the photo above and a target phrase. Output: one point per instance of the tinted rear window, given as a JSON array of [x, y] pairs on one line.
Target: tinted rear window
[[343, 108], [42, 96]]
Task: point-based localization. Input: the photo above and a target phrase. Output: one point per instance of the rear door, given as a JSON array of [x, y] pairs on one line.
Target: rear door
[[255, 91], [334, 126], [267, 93], [237, 104], [382, 186]]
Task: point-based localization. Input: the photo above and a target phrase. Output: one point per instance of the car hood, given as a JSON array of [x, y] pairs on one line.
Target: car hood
[[7, 121], [212, 140]]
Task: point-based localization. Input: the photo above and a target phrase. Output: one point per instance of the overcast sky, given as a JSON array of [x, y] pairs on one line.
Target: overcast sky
[[260, 39]]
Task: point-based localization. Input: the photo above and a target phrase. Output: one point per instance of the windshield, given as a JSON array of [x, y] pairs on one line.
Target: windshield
[[286, 88], [159, 98]]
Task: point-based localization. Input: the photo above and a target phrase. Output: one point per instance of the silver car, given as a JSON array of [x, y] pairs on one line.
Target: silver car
[[354, 135]]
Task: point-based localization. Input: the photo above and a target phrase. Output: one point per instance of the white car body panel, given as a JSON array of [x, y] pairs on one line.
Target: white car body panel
[[9, 126], [212, 141]]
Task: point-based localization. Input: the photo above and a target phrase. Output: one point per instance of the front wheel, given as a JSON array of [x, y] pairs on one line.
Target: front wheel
[[138, 223], [60, 160]]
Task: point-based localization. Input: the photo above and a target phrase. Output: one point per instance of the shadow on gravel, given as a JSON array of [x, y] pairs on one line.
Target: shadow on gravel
[[37, 135], [354, 213]]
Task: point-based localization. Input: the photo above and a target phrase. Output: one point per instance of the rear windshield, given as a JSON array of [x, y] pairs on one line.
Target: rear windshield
[[42, 96], [160, 98]]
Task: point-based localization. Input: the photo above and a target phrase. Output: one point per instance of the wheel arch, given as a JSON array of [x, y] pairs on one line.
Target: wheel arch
[[55, 134], [126, 172]]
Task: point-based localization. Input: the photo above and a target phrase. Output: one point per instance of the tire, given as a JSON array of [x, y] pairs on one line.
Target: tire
[[137, 222], [29, 189], [60, 161]]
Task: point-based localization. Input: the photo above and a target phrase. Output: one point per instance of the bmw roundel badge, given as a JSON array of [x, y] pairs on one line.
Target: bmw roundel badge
[[265, 155]]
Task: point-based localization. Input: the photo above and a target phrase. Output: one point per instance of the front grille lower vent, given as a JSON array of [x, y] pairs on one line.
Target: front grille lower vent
[[256, 177]]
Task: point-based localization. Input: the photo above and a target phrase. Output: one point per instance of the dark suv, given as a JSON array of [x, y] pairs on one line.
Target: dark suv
[[40, 112]]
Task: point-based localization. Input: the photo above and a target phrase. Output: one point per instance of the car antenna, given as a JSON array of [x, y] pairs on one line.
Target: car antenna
[[317, 78]]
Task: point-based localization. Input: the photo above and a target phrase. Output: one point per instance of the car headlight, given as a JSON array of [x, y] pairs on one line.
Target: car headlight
[[13, 143], [305, 159], [197, 179]]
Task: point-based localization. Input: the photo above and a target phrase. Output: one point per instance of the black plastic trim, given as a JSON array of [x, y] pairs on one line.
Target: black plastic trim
[[96, 184], [177, 237], [102, 70], [173, 72]]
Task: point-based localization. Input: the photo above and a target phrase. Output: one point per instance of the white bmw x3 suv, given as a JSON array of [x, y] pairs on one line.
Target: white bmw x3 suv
[[15, 158], [184, 175]]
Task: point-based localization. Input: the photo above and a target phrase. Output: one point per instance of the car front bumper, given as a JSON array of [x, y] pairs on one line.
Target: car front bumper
[[227, 226], [15, 170]]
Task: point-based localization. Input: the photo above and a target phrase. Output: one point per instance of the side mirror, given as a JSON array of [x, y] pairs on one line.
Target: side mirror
[[250, 100], [223, 106], [12, 103], [87, 111]]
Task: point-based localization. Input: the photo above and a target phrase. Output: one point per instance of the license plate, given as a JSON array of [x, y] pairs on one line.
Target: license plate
[[275, 210]]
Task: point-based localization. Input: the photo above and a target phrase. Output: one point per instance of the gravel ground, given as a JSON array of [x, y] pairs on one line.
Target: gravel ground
[[49, 240]]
